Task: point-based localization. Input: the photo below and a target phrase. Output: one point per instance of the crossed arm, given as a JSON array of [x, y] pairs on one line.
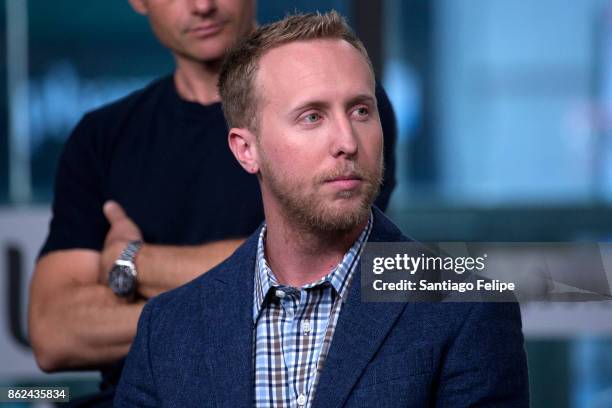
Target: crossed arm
[[75, 320]]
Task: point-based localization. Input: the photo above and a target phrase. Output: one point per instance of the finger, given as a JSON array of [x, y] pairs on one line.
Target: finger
[[122, 228], [113, 211]]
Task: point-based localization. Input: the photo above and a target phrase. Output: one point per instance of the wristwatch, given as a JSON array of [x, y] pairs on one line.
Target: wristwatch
[[122, 276]]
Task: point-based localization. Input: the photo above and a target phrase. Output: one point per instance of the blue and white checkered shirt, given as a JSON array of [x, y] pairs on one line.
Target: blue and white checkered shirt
[[294, 328]]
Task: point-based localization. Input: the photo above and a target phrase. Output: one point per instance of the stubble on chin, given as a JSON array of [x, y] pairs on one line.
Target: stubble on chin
[[309, 211]]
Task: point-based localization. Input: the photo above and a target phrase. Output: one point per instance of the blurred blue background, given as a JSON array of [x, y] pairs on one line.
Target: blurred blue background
[[504, 112]]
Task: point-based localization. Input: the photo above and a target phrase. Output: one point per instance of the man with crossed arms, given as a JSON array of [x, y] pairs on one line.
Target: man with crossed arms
[[281, 322]]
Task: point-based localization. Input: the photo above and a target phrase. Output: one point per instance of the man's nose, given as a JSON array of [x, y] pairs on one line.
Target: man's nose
[[204, 6], [343, 138]]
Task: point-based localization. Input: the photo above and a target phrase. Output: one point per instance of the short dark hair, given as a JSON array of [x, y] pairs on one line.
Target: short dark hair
[[242, 61]]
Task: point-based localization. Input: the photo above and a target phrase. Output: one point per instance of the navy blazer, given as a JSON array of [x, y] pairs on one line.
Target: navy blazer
[[194, 347]]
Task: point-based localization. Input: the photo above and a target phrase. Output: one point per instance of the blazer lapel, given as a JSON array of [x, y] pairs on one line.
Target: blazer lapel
[[229, 338], [362, 327], [361, 330]]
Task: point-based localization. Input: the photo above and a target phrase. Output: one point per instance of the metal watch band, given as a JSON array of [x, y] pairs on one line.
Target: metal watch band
[[130, 251]]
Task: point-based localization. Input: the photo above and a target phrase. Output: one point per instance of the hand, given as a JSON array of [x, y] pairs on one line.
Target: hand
[[122, 231]]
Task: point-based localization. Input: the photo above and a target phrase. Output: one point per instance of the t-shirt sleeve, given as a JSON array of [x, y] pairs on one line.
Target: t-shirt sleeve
[[389, 126], [77, 220]]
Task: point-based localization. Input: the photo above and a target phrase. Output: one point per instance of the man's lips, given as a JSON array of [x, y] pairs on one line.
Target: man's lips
[[348, 182], [207, 30]]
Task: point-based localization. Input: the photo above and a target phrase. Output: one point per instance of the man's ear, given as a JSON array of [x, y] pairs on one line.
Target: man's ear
[[242, 142], [139, 6]]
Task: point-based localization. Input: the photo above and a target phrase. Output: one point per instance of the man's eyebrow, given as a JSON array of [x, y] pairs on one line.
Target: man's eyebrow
[[318, 104], [362, 98], [309, 104]]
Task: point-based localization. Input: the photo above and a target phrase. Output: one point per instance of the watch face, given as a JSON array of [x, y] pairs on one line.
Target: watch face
[[121, 280]]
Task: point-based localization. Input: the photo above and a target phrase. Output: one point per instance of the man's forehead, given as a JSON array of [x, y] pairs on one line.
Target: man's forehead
[[312, 66]]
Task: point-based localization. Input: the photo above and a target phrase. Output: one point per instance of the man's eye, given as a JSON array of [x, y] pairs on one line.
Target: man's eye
[[362, 111], [312, 118]]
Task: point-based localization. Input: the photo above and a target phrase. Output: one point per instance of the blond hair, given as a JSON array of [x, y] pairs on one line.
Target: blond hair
[[240, 65]]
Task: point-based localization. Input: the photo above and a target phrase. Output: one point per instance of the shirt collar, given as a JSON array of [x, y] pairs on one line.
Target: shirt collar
[[339, 277]]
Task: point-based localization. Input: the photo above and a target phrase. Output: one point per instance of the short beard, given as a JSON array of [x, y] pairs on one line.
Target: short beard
[[309, 213]]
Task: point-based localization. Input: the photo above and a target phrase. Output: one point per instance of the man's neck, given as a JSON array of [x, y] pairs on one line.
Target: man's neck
[[197, 81], [298, 256]]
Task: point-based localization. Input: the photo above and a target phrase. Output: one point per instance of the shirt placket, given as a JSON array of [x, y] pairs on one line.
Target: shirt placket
[[294, 304], [289, 301]]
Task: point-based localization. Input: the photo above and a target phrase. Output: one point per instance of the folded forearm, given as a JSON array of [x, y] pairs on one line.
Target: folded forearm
[[82, 327], [161, 267]]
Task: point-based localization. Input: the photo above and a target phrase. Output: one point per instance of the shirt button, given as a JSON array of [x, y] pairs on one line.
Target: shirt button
[[301, 400], [306, 327], [280, 294]]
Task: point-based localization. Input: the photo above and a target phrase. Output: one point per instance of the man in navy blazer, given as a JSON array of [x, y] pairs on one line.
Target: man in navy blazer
[[281, 322]]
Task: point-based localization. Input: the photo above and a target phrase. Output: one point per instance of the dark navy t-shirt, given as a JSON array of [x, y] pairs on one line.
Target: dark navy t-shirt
[[167, 162]]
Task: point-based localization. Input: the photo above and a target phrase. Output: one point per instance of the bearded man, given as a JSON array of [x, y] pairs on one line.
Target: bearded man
[[281, 322]]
